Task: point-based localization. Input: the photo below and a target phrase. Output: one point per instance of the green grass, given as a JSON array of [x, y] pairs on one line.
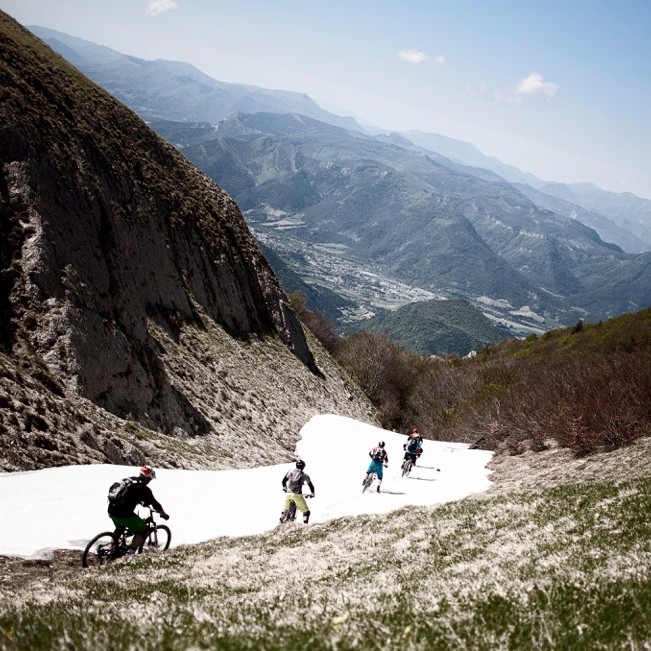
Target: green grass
[[625, 333], [563, 568]]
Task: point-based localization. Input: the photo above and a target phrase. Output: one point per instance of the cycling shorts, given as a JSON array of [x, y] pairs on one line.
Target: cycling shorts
[[134, 523], [299, 500], [376, 467]]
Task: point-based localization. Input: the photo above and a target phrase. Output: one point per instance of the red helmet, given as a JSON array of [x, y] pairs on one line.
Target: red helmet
[[147, 472]]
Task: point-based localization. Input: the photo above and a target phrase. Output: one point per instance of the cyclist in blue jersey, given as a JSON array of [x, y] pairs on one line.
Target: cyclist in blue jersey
[[379, 460]]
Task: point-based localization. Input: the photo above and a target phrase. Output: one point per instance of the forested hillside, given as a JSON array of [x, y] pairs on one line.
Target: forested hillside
[[585, 387]]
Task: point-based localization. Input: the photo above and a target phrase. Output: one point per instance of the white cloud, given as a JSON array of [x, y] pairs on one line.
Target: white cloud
[[535, 85], [412, 56], [439, 59], [155, 7], [531, 87]]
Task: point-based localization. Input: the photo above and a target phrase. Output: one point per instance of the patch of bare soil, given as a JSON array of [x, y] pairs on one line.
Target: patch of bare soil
[[21, 572]]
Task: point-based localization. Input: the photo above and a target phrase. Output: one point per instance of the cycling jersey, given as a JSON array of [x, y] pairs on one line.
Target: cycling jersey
[[136, 493], [293, 481]]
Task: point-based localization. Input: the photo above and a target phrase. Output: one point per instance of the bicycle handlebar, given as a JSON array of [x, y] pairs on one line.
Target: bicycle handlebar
[[306, 495], [152, 510]]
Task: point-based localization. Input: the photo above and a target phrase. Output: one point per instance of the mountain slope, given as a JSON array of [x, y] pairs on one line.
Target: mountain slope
[[629, 212], [132, 286], [621, 218], [608, 230]]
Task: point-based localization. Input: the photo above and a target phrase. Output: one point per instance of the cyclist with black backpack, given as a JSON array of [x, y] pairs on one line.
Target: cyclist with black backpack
[[379, 459], [125, 495]]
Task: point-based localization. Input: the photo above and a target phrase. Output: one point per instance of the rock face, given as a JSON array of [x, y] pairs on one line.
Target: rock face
[[138, 317]]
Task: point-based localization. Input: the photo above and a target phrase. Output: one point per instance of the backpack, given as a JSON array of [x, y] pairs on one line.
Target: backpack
[[118, 490], [378, 454]]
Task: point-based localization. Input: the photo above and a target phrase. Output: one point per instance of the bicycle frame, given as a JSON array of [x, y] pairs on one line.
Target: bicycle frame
[[289, 515]]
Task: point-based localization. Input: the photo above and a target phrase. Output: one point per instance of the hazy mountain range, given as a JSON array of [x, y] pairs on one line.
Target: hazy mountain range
[[380, 219], [306, 186], [176, 90]]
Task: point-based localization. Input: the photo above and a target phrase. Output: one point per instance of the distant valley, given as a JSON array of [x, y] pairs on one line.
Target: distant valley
[[370, 222]]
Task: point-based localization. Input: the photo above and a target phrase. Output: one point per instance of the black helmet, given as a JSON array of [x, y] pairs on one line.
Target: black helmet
[[300, 464], [381, 444]]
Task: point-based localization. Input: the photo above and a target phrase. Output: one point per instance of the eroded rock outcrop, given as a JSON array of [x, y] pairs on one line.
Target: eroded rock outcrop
[[131, 282]]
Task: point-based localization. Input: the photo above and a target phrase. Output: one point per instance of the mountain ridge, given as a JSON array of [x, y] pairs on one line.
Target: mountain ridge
[[201, 98]]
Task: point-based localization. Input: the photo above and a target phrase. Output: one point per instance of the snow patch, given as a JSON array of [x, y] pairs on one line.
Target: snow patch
[[64, 507]]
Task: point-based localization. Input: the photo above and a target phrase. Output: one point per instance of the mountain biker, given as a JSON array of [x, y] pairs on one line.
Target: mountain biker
[[415, 435], [122, 511], [379, 458], [413, 449], [415, 432], [293, 485]]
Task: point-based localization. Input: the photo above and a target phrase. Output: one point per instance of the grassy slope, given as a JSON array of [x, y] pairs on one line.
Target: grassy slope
[[625, 333], [556, 555], [581, 387]]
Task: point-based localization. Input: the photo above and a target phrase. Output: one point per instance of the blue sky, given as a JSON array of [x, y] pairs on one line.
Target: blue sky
[[558, 88]]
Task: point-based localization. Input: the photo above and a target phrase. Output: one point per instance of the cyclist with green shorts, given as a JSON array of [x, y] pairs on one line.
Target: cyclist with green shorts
[[293, 485]]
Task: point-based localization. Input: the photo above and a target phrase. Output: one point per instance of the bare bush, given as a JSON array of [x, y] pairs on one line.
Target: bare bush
[[385, 371], [584, 402], [322, 329], [584, 388]]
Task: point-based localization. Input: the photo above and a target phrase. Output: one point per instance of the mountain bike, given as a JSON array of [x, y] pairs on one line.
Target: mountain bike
[[289, 515], [407, 465], [110, 545], [368, 480]]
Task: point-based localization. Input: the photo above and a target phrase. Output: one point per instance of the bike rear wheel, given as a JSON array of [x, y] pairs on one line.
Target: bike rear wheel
[[367, 482], [406, 467], [102, 549], [289, 515], [157, 540]]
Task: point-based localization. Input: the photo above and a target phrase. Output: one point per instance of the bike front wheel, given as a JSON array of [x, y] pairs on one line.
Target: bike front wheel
[[102, 549], [406, 468], [157, 540], [289, 515]]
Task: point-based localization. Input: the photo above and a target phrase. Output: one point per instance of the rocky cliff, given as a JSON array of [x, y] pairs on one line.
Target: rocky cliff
[[138, 317]]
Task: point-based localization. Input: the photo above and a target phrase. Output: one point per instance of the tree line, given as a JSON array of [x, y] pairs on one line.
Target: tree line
[[586, 388]]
